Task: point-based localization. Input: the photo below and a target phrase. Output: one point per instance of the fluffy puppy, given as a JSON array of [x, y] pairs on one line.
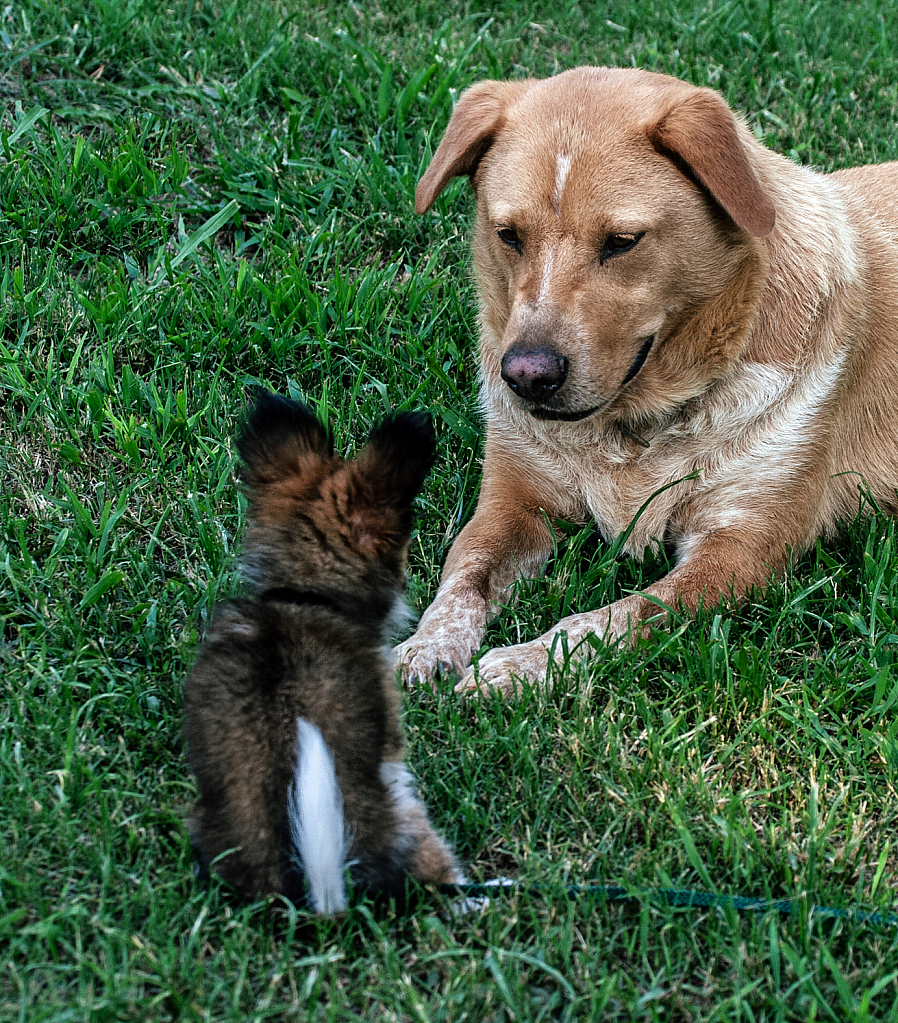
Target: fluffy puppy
[[293, 716], [662, 299]]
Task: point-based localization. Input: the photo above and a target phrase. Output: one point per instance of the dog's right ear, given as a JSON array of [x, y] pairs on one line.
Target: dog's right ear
[[282, 439], [475, 122]]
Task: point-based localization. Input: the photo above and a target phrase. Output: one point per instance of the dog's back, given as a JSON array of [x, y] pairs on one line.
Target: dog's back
[[292, 708]]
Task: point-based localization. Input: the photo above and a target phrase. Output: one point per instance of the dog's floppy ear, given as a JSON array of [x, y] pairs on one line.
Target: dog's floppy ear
[[474, 124], [282, 439], [700, 132], [389, 472]]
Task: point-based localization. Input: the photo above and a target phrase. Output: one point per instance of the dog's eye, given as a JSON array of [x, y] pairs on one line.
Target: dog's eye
[[618, 244], [508, 236]]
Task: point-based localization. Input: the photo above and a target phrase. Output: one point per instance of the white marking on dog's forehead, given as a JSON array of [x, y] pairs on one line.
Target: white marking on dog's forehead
[[562, 168]]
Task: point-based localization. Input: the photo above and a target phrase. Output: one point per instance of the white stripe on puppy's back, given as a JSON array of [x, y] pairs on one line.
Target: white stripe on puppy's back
[[315, 816]]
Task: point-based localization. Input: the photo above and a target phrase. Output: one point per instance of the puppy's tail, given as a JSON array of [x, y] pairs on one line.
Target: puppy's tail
[[315, 818]]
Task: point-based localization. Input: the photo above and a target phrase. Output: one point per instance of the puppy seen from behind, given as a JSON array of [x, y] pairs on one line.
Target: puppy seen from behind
[[292, 709]]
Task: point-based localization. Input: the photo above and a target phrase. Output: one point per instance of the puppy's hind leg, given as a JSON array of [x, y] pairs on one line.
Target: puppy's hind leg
[[315, 818], [200, 858], [430, 860]]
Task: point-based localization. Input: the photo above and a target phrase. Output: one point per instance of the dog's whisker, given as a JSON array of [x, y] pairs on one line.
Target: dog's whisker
[[633, 435]]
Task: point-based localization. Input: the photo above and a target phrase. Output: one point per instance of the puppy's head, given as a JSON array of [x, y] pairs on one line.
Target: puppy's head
[[339, 526], [616, 240]]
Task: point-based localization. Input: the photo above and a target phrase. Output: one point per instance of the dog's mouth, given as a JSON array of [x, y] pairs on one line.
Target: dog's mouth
[[560, 416], [564, 416], [637, 364]]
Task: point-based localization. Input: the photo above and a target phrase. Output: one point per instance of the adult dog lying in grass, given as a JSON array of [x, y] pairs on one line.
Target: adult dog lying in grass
[[661, 297], [293, 720]]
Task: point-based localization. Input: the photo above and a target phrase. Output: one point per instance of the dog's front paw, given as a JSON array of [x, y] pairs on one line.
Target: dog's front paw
[[425, 657], [507, 669], [448, 634]]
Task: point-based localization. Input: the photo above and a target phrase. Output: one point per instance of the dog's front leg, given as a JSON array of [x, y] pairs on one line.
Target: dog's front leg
[[507, 668], [719, 564], [504, 541]]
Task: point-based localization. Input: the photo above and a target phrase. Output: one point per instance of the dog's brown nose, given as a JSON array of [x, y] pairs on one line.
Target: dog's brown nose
[[534, 373]]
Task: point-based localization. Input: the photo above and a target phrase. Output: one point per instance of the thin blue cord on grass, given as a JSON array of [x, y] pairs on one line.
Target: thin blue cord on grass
[[673, 897]]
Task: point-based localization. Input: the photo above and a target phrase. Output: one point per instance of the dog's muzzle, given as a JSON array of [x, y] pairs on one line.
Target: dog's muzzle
[[566, 416]]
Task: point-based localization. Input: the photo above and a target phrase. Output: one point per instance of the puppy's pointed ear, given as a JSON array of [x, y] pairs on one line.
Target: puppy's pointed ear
[[398, 456], [282, 439], [699, 134], [388, 473], [475, 122]]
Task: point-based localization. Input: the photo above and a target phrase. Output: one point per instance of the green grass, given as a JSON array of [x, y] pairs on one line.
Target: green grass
[[221, 195]]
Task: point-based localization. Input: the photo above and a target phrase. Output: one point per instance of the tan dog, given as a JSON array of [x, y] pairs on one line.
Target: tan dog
[[660, 296]]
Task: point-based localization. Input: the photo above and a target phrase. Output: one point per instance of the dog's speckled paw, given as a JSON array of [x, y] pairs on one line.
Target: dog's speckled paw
[[507, 670], [448, 634], [425, 663]]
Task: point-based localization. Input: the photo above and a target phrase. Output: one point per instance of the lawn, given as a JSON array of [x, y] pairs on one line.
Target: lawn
[[199, 197]]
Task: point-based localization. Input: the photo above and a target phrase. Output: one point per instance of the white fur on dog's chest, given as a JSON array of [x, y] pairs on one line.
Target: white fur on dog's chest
[[741, 446]]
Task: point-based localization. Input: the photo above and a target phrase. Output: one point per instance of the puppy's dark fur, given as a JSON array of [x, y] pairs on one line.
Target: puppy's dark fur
[[325, 553]]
